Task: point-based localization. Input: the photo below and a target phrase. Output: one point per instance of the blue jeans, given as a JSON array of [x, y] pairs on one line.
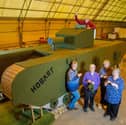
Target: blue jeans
[[75, 98]]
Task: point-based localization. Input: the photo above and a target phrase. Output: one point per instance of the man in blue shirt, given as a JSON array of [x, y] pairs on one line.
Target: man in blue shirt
[[73, 84], [91, 81], [114, 89]]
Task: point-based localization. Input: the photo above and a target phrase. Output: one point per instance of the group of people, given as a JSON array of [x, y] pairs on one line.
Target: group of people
[[109, 81]]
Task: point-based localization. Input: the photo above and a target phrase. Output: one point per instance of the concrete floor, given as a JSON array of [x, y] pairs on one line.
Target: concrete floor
[[91, 118], [79, 117]]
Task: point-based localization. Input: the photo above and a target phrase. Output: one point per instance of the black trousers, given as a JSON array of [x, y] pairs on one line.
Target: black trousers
[[103, 91], [89, 98], [112, 110]]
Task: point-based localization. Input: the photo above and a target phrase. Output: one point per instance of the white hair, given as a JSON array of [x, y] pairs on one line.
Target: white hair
[[116, 70], [92, 65]]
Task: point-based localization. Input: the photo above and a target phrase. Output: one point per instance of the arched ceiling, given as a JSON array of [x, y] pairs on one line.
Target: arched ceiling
[[110, 10]]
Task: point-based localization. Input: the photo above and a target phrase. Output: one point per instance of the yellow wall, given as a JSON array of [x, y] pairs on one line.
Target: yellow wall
[[34, 29]]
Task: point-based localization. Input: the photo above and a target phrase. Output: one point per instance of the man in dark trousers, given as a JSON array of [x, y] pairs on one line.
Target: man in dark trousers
[[91, 81]]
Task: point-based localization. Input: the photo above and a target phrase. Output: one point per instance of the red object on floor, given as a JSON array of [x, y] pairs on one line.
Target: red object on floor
[[42, 40], [104, 36]]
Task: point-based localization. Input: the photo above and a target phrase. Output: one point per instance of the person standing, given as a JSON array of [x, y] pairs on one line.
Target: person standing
[[88, 23], [114, 88], [104, 73], [73, 84], [91, 81]]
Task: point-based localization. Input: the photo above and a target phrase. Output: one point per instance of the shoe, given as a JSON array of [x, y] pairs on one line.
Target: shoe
[[99, 106], [68, 108], [72, 108], [104, 107], [92, 109], [106, 114], [85, 110], [75, 108], [112, 118]]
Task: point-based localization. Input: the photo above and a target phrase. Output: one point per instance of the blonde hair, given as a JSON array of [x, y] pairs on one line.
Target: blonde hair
[[74, 62], [106, 61]]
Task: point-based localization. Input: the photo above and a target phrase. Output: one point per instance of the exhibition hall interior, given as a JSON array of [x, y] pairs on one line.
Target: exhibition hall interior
[[62, 62]]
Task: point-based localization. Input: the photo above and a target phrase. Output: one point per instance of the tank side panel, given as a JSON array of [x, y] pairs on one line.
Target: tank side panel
[[40, 84]]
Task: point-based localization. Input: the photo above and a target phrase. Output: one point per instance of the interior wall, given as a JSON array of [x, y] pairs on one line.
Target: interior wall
[[34, 29], [8, 33]]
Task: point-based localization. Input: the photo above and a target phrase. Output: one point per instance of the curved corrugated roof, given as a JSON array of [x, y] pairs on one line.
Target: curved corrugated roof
[[113, 10]]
